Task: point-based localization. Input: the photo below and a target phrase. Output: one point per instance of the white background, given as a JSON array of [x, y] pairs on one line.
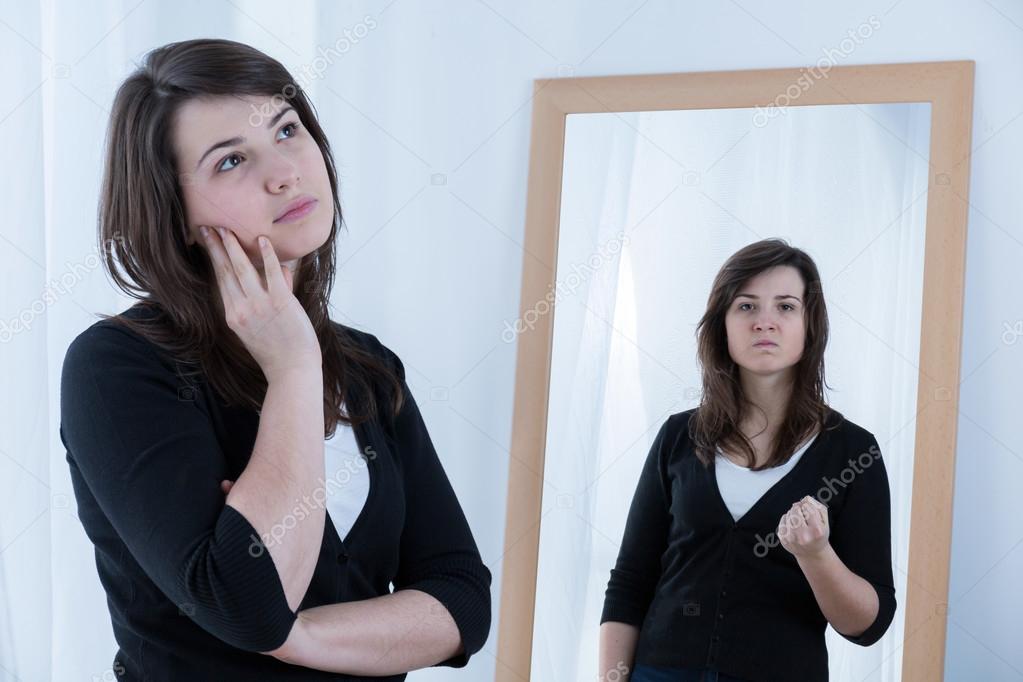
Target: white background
[[440, 92]]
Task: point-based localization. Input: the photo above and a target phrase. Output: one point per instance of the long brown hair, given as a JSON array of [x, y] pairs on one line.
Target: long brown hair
[[715, 423], [142, 219]]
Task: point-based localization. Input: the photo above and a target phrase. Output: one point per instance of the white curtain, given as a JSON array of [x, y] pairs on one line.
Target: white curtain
[[28, 499], [845, 183]]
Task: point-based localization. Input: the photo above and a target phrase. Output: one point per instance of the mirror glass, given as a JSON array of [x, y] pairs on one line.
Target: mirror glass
[[652, 204]]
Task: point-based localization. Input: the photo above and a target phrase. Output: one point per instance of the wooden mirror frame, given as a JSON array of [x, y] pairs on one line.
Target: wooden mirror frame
[[948, 86]]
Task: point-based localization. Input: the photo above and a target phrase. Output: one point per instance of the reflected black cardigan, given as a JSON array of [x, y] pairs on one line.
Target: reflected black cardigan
[[708, 591]]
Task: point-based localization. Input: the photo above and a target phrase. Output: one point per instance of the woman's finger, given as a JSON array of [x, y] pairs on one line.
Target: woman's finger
[[227, 282], [787, 525], [243, 268], [806, 512], [275, 279], [816, 503], [814, 514], [798, 521], [815, 506]]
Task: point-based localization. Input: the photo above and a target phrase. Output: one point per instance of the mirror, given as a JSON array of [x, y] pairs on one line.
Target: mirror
[[641, 239], [640, 211]]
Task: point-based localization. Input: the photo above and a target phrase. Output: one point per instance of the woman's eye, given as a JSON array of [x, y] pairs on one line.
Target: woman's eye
[[227, 158], [291, 125], [742, 306], [221, 168]]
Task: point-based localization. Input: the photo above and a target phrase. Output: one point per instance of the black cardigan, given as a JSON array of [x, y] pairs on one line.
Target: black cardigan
[[192, 592], [707, 591]]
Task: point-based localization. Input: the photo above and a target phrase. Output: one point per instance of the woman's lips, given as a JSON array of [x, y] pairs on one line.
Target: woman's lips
[[298, 213]]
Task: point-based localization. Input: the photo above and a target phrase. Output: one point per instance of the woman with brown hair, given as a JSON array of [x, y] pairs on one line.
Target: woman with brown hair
[[230, 369], [760, 516]]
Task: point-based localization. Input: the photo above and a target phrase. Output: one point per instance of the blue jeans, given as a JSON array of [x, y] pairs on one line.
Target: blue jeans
[[649, 673]]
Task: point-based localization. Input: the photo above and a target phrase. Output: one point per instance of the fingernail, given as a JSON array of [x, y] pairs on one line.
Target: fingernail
[[205, 232], [222, 232], [262, 241]]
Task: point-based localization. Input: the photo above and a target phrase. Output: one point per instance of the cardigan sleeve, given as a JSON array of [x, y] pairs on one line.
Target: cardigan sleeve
[[437, 552], [638, 567], [150, 462], [861, 536]]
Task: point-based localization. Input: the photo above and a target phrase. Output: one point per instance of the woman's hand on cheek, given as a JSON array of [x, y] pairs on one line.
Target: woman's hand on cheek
[[249, 246], [248, 249]]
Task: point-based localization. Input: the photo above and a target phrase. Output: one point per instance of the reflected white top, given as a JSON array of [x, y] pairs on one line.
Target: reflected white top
[[741, 487], [346, 479]]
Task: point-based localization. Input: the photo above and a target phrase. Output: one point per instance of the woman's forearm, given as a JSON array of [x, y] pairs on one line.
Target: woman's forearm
[[848, 601], [276, 491], [387, 635], [617, 651]]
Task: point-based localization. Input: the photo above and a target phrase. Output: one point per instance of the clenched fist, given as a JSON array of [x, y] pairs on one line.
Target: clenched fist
[[804, 529]]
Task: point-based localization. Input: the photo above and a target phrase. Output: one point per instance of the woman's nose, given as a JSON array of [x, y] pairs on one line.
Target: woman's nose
[[282, 173]]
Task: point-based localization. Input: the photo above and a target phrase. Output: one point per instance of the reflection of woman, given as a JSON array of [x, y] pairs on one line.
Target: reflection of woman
[[230, 371], [760, 516]]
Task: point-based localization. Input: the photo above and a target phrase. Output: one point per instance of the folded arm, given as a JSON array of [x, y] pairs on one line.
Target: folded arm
[[439, 613], [147, 461], [386, 635]]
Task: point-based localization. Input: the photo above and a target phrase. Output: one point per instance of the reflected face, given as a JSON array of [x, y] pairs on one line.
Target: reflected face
[[769, 307], [267, 162]]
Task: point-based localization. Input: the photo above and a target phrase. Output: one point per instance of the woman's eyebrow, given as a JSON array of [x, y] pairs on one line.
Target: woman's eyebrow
[[239, 139], [777, 298]]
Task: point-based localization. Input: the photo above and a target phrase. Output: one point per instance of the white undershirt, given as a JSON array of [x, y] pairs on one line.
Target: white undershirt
[[346, 479], [741, 487]]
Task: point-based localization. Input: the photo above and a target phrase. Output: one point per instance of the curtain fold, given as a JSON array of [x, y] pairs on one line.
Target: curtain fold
[[27, 496]]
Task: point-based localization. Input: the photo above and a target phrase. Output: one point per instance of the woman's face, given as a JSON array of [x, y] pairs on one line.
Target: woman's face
[[769, 307], [267, 161]]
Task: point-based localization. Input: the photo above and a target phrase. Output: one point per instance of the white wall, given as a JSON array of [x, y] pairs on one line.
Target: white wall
[[429, 117]]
